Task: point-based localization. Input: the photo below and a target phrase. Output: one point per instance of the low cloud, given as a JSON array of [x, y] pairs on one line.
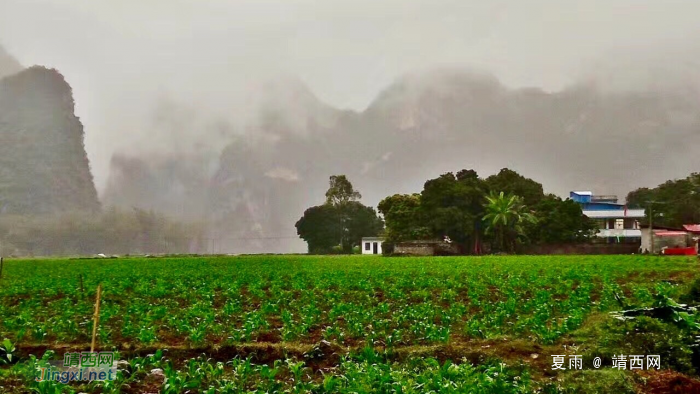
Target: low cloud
[[283, 173]]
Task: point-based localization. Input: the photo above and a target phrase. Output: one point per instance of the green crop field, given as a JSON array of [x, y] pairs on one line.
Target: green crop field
[[349, 324]]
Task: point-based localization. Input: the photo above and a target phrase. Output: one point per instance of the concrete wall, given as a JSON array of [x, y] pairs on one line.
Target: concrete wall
[[582, 249], [426, 248], [665, 241], [414, 249]]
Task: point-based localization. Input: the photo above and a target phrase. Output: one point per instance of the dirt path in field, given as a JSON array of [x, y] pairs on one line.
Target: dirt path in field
[[325, 356]]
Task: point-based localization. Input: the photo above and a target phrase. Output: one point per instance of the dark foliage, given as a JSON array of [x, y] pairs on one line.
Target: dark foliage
[[560, 222], [403, 217], [673, 203], [320, 228], [453, 205], [510, 182], [340, 223]]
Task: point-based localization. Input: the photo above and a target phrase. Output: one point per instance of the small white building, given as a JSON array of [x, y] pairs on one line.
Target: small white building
[[372, 245]]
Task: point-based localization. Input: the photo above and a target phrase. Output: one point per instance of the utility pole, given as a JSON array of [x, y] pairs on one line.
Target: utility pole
[[651, 228], [650, 204]]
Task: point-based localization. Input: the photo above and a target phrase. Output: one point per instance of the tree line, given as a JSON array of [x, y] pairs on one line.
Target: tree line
[[672, 203], [112, 231], [501, 213]]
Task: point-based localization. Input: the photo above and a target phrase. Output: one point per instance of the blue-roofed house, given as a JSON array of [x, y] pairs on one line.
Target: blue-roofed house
[[616, 223]]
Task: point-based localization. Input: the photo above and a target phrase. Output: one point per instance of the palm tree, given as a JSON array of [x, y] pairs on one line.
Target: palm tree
[[505, 216]]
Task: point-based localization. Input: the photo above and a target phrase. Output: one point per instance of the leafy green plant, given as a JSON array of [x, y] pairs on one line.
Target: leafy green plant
[[7, 350], [370, 306]]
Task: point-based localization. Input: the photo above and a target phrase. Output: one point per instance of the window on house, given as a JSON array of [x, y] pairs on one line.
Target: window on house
[[631, 224], [619, 224], [367, 246]]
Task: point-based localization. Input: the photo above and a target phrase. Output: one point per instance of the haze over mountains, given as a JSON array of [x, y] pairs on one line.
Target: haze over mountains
[[249, 186], [8, 64], [420, 126]]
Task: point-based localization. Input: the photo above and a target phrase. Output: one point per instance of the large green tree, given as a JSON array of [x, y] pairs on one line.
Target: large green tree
[[341, 191], [339, 195], [510, 182], [506, 217], [341, 221], [673, 203], [560, 222], [451, 206], [319, 228], [403, 218], [362, 221]]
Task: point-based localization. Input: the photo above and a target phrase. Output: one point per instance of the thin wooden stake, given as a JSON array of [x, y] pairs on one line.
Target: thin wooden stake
[[82, 291], [0, 267], [96, 321]]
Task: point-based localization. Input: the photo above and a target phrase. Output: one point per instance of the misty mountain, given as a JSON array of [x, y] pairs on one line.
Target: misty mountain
[[43, 164], [8, 64], [419, 127], [611, 141], [245, 197], [286, 105]]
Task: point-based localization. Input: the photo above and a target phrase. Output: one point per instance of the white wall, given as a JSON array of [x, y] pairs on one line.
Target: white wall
[[371, 242], [613, 214]]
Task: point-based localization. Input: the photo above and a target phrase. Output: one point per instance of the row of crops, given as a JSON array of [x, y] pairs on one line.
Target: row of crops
[[357, 303], [358, 374], [305, 299]]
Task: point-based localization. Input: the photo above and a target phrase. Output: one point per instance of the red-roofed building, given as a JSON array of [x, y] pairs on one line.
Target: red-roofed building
[[692, 228], [665, 233], [670, 238]]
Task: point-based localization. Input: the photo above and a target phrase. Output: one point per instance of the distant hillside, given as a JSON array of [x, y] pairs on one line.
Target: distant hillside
[[417, 128], [581, 137], [43, 165], [8, 64]]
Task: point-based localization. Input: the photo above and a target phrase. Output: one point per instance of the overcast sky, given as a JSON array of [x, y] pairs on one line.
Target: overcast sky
[[120, 56]]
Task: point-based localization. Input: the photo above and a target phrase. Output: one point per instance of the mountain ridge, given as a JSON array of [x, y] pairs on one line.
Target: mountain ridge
[[44, 166], [8, 64]]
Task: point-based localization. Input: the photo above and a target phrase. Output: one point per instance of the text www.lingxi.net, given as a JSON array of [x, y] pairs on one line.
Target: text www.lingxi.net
[[83, 366]]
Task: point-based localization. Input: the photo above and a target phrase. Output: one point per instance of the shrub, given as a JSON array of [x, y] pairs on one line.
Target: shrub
[[594, 381], [693, 294], [648, 336]]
